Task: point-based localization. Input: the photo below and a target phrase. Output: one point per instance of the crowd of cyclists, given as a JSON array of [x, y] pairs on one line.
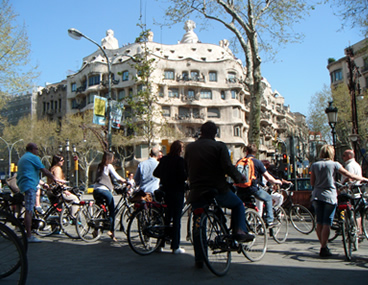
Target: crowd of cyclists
[[204, 165]]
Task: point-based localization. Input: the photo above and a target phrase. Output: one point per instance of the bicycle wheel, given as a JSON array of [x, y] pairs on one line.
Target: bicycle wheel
[[86, 224], [16, 226], [122, 220], [302, 219], [46, 225], [349, 234], [146, 230], [12, 256], [365, 222], [256, 249], [67, 222], [281, 231], [189, 226], [215, 250]]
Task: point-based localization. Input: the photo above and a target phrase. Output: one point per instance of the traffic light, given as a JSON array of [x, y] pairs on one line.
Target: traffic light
[[284, 158], [291, 168], [12, 167]]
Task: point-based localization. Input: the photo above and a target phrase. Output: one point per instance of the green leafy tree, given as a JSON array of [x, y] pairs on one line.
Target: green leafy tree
[[250, 21], [16, 74]]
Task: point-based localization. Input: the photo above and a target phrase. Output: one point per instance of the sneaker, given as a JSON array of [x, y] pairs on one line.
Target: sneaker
[[39, 210], [33, 239], [178, 250], [325, 252]]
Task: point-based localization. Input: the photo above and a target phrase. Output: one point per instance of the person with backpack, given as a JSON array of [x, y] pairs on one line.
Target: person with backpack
[[253, 170]]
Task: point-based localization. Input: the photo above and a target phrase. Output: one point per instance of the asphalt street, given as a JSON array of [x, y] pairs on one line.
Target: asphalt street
[[61, 260]]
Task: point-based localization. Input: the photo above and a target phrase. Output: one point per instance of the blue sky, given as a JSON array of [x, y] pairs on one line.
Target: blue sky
[[298, 73]]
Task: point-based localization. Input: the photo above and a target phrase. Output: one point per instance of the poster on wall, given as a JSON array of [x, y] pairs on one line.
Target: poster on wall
[[99, 110]]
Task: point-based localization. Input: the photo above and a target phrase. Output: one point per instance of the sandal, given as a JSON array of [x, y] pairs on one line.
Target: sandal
[[112, 236]]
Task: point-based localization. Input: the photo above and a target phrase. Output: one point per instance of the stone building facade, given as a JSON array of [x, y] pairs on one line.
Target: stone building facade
[[195, 82]]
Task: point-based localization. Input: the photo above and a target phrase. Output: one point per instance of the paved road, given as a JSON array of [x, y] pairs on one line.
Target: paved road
[[60, 260]]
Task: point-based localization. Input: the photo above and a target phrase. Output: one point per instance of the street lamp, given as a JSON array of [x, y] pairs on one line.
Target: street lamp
[[77, 35], [332, 120], [10, 148]]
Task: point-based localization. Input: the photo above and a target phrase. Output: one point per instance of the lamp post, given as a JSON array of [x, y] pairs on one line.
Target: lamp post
[[77, 35], [10, 149], [67, 151], [354, 87], [332, 120]]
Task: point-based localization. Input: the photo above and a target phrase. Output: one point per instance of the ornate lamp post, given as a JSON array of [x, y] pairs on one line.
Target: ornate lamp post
[[10, 149], [77, 35], [332, 120]]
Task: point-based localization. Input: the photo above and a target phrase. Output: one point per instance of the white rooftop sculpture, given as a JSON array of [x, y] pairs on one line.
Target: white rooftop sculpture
[[110, 42], [189, 36]]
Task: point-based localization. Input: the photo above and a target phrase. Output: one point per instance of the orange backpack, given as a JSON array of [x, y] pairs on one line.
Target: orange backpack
[[246, 167]]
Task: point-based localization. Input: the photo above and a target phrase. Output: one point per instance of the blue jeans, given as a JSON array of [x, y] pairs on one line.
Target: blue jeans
[[325, 212], [106, 196], [262, 195], [228, 200]]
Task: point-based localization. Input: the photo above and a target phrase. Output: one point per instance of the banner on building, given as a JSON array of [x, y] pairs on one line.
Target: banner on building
[[99, 110], [116, 114]]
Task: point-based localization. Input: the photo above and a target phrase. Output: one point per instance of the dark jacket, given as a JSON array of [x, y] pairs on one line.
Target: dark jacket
[[172, 174], [208, 162]]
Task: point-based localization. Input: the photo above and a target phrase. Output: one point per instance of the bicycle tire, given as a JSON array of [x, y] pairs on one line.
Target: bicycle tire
[[346, 240], [67, 223], [280, 232], [12, 255], [124, 218], [212, 233], [302, 219], [255, 250], [14, 224], [145, 231], [86, 226], [47, 225], [365, 222]]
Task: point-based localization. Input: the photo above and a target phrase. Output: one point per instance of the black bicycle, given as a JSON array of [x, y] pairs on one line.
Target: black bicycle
[[12, 255], [93, 219]]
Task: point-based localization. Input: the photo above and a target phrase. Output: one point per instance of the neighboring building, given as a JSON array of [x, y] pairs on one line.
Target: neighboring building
[[51, 101], [339, 71], [21, 105], [195, 82]]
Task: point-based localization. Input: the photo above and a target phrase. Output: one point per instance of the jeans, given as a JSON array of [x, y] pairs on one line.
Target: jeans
[[325, 212], [262, 195], [106, 196], [228, 200]]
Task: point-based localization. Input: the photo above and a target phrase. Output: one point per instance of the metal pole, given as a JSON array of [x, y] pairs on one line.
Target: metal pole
[[10, 149]]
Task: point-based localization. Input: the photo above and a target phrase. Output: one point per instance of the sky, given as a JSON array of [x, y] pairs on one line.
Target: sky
[[300, 70]]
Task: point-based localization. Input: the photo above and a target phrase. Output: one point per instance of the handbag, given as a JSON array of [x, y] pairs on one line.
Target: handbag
[[12, 183]]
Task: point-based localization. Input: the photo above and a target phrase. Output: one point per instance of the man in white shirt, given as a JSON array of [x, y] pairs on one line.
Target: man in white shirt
[[350, 165]]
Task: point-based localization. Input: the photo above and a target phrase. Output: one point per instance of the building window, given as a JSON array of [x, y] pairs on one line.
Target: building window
[[234, 94], [121, 94], [206, 94], [213, 113], [166, 111], [336, 75], [90, 98], [185, 75], [191, 94], [213, 76], [237, 131], [94, 80], [231, 77], [184, 113], [194, 74], [169, 74], [173, 93], [74, 87], [60, 104], [125, 75], [161, 92], [75, 105], [223, 97]]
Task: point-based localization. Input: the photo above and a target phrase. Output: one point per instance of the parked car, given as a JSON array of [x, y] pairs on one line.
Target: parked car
[[303, 194]]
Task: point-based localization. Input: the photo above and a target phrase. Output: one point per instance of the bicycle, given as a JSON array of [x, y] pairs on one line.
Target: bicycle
[[93, 219], [279, 232], [345, 223], [300, 217], [12, 255], [216, 240]]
